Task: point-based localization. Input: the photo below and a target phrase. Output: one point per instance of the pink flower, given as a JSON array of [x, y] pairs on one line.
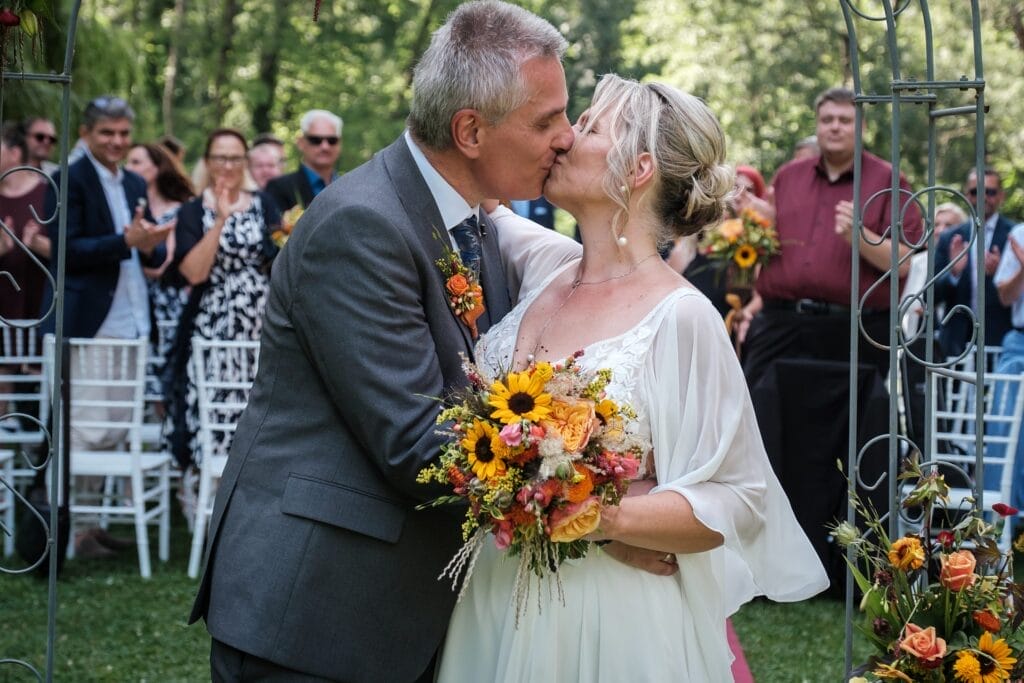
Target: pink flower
[[524, 496], [1005, 510], [957, 570], [503, 534], [923, 644], [512, 434], [537, 432], [630, 466]]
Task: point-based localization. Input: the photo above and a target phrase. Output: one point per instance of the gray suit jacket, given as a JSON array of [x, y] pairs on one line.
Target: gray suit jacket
[[317, 559]]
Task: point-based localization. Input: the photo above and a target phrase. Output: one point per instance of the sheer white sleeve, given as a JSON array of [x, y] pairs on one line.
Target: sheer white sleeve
[[530, 252], [707, 447]]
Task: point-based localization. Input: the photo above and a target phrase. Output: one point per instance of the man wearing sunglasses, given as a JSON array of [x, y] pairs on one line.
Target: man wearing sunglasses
[[41, 138], [320, 145], [959, 285]]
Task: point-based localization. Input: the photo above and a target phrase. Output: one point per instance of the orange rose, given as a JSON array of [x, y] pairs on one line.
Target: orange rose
[[573, 421], [578, 492], [731, 229], [458, 284], [575, 521], [923, 644], [957, 570]]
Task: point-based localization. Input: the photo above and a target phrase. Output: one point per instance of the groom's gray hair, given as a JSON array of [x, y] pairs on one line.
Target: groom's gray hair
[[474, 61]]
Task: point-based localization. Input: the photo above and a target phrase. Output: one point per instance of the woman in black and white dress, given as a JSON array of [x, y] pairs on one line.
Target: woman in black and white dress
[[223, 251]]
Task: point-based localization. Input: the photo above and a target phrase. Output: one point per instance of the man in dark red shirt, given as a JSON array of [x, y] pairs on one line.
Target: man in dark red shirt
[[802, 308]]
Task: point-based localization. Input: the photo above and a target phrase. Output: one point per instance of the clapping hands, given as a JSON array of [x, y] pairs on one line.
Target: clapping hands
[[144, 235]]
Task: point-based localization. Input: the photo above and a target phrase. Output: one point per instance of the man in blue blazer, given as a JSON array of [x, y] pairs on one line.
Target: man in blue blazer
[[957, 286], [110, 232]]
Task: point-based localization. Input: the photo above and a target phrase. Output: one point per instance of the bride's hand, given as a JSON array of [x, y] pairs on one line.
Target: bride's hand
[[652, 561]]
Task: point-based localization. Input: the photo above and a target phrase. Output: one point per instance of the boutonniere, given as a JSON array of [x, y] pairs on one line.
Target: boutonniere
[[465, 295]]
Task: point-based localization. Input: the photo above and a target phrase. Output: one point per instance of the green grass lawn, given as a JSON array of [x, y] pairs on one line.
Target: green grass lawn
[[113, 626]]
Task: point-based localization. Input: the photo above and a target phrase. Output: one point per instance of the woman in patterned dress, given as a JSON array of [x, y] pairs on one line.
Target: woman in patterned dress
[[167, 188], [223, 251]]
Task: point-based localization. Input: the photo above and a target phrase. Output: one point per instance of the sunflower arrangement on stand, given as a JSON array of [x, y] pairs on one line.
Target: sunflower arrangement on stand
[[536, 454], [938, 606]]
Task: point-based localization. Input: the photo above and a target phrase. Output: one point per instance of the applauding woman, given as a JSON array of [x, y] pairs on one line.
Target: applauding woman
[[223, 251]]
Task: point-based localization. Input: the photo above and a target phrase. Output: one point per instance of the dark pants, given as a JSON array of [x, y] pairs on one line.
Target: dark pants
[[231, 665], [774, 335]]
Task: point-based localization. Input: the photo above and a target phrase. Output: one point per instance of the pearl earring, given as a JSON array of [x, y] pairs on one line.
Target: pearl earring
[[622, 189], [622, 241]]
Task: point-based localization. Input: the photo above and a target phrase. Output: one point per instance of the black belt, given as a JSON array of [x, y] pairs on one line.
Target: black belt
[[814, 307]]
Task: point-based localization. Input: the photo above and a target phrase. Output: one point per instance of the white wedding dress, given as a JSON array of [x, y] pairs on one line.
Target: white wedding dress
[[678, 370]]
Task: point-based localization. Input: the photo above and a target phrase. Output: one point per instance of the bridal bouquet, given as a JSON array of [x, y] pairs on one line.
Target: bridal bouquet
[[536, 454], [741, 244], [938, 607]]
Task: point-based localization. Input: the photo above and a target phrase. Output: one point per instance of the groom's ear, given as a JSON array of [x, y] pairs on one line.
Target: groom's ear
[[466, 132]]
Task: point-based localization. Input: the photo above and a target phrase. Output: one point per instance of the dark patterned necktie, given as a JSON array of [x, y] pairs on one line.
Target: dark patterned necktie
[[467, 236]]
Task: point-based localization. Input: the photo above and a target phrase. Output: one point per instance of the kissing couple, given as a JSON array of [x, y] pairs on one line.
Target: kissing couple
[[319, 565]]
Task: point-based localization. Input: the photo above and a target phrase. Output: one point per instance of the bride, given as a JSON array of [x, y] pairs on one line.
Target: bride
[[647, 166]]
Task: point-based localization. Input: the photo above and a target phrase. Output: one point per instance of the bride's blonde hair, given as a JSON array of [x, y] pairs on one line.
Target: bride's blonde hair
[[687, 146]]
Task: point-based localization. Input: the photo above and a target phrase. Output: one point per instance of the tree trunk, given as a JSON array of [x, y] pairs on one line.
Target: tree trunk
[[220, 79], [171, 68]]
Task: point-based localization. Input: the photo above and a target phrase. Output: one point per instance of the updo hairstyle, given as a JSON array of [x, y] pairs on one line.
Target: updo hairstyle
[[691, 179]]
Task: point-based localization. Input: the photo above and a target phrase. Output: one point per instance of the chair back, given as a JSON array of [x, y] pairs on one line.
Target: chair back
[[22, 388], [108, 382], [224, 372], [954, 428]]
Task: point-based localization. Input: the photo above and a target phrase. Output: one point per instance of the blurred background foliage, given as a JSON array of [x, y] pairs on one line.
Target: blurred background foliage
[[188, 66]]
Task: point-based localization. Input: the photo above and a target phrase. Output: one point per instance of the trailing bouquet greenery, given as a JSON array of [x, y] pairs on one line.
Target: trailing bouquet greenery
[[937, 606]]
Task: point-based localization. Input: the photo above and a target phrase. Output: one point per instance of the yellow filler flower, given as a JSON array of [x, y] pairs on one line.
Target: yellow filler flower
[[522, 399]]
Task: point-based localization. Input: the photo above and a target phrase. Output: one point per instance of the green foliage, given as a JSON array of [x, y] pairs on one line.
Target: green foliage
[[258, 65]]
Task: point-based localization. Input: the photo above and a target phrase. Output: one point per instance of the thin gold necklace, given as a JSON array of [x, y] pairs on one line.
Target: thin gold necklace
[[576, 284]]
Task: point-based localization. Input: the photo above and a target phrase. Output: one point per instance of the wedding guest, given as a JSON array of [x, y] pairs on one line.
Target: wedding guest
[[20, 193], [167, 188], [223, 251], [319, 145], [947, 216], [110, 238], [806, 148], [959, 285], [266, 159], [42, 136], [805, 291]]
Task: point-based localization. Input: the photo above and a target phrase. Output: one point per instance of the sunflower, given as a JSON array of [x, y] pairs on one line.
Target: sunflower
[[745, 256], [485, 451], [995, 662], [907, 553], [606, 410], [522, 398]]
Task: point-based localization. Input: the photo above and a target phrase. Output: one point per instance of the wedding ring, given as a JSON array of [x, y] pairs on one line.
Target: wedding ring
[[669, 558]]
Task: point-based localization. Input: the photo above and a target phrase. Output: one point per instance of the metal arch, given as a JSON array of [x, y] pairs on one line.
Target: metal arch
[[914, 92], [55, 452]]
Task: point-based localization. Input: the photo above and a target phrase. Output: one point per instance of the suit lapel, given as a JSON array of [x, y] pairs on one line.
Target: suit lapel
[[93, 178], [424, 217]]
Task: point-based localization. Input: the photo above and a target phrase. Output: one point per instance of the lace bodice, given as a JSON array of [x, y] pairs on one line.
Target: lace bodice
[[624, 353]]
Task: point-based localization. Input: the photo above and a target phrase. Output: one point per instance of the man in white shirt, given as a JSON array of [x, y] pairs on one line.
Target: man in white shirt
[[110, 236]]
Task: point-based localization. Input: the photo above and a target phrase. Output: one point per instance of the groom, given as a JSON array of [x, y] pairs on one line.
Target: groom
[[319, 566]]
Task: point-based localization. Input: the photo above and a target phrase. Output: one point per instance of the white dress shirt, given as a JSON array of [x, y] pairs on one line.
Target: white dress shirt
[[453, 208], [128, 317], [1010, 266]]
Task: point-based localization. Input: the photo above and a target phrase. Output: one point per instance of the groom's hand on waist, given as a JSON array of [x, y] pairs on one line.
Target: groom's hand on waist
[[652, 561]]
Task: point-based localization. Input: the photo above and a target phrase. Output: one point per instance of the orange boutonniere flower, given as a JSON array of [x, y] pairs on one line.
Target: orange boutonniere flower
[[465, 295]]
